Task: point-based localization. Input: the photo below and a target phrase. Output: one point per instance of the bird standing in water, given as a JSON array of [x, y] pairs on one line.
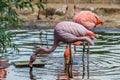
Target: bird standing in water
[[88, 19], [67, 32]]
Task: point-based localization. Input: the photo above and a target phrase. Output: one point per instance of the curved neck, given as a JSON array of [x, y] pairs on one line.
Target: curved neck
[[48, 50], [54, 46]]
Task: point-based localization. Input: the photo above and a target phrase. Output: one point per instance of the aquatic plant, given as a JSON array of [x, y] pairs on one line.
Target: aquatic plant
[[9, 18]]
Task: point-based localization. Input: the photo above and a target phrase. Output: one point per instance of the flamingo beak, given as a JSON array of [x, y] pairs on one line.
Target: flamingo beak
[[101, 23]]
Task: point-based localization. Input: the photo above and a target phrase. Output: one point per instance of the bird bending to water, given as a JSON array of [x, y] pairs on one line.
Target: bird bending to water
[[67, 32], [87, 18]]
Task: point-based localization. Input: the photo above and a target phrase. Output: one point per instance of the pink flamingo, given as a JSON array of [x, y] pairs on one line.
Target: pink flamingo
[[86, 18], [89, 20], [75, 43], [67, 32]]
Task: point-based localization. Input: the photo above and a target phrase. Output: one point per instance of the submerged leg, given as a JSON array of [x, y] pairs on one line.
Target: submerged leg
[[66, 64], [66, 58], [70, 64], [88, 52], [83, 62]]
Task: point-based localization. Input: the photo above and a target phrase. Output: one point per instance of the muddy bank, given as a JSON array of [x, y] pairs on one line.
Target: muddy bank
[[109, 13]]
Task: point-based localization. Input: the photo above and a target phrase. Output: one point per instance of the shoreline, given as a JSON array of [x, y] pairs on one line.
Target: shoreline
[[39, 24], [109, 13]]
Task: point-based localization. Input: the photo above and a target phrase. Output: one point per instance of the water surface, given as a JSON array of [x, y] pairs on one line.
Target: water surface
[[104, 56]]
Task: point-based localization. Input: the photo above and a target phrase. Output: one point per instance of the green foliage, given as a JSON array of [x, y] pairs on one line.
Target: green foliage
[[9, 19], [40, 5]]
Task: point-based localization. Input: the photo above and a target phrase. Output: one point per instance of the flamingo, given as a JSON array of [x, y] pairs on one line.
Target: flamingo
[[67, 32], [88, 19], [75, 43]]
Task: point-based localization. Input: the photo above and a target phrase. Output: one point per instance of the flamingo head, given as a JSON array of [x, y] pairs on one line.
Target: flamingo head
[[98, 20]]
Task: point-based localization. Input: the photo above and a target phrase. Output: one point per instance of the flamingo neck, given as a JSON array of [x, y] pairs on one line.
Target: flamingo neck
[[48, 50]]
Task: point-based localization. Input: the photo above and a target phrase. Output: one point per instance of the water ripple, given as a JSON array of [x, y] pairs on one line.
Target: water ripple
[[104, 55]]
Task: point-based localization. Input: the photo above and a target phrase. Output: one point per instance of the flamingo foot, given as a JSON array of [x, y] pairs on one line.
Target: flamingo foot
[[39, 18], [32, 59]]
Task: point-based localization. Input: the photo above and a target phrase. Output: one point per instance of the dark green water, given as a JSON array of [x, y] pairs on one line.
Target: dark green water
[[104, 56]]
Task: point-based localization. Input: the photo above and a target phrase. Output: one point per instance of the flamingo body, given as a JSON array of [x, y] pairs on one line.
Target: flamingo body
[[68, 32], [87, 18]]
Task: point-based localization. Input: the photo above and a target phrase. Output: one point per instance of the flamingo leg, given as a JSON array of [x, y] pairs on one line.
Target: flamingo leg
[[66, 9], [66, 58], [31, 75], [88, 52], [66, 63], [83, 62], [70, 64], [74, 7], [38, 17], [46, 15], [74, 51]]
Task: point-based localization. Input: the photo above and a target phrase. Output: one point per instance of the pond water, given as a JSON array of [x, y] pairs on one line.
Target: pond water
[[104, 56]]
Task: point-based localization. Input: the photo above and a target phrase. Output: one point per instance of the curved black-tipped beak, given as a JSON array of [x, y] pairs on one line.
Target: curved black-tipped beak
[[31, 68], [101, 23]]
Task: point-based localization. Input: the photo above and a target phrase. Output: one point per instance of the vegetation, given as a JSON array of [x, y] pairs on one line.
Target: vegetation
[[9, 18]]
